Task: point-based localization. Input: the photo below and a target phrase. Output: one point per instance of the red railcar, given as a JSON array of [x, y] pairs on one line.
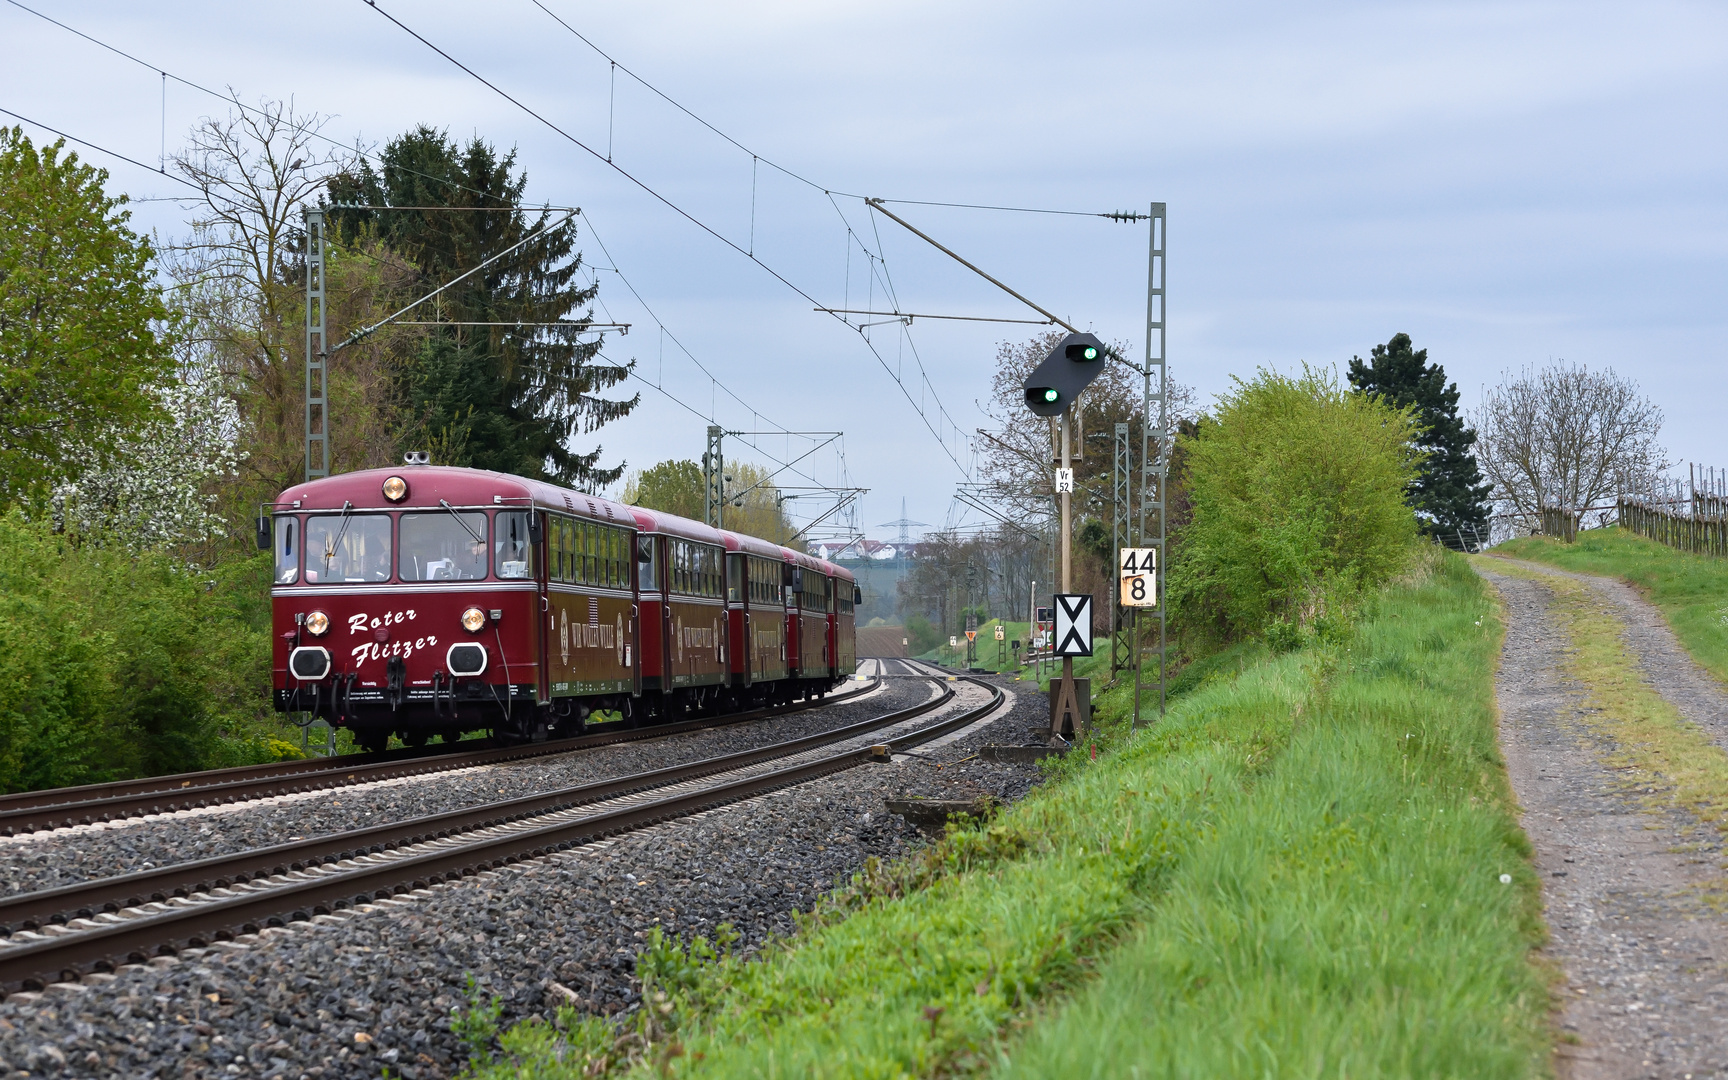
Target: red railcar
[[428, 600]]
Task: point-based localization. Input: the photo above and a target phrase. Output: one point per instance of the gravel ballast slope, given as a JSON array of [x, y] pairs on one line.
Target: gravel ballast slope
[[49, 859], [348, 996]]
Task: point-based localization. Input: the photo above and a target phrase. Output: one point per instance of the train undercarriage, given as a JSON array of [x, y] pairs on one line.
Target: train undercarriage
[[513, 715]]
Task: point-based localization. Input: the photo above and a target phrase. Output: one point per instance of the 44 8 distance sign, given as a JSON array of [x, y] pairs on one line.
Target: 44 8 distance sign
[[1138, 573]]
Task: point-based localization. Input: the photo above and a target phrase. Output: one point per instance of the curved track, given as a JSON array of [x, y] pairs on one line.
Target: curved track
[[34, 811], [378, 863]]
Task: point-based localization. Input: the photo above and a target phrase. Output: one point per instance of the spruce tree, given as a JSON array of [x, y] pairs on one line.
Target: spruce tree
[[1449, 495], [510, 395]]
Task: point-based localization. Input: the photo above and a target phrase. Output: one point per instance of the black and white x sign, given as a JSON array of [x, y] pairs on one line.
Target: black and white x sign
[[1073, 624]]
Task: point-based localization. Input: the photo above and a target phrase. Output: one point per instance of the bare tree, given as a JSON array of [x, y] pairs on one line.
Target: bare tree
[[240, 296], [1565, 437], [1016, 464]]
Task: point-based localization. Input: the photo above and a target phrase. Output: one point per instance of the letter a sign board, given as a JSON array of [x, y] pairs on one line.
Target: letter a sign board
[[1139, 572], [1073, 624]]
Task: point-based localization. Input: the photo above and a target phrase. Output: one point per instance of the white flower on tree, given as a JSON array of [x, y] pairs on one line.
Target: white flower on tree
[[157, 489]]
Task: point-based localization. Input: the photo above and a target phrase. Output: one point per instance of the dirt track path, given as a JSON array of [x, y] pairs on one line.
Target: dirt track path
[[1643, 951]]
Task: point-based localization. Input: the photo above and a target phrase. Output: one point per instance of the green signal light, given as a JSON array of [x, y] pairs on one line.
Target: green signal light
[[1051, 395], [1091, 353]]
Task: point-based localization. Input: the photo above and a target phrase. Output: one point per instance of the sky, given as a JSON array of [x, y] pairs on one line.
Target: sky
[[1512, 184]]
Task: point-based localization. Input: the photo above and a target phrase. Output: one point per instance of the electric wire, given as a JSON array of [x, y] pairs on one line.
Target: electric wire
[[649, 190], [306, 130]]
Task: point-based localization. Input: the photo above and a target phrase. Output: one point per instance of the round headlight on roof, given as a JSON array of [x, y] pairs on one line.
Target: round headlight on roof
[[473, 620], [316, 623], [395, 489]]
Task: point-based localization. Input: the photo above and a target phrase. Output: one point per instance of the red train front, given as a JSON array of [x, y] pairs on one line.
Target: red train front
[[433, 601]]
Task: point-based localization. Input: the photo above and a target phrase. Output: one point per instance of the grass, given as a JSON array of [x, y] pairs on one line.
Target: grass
[[1659, 754], [1691, 591], [1297, 873]]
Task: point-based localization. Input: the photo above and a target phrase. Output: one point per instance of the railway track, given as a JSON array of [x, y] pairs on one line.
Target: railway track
[[225, 897], [35, 811]]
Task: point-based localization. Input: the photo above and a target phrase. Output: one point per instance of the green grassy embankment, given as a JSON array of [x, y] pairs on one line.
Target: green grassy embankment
[[1297, 873], [1691, 591]]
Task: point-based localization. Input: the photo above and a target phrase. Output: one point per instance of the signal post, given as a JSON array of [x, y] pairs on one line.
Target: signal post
[[1050, 391]]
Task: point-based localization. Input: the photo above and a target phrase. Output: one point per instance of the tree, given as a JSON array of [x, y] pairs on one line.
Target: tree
[[78, 300], [1448, 493], [1016, 461], [753, 504], [510, 383], [240, 308], [1297, 488], [157, 491], [671, 487], [1565, 437]]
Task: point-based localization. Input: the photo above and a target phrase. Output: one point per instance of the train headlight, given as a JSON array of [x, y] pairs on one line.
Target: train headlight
[[317, 623], [395, 489], [474, 620]]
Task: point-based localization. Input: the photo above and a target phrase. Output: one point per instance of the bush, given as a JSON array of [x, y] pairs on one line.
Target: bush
[[115, 664], [921, 636], [1297, 488]]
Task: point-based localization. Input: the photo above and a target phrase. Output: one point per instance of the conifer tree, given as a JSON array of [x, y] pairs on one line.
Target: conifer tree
[[509, 395], [1448, 494]]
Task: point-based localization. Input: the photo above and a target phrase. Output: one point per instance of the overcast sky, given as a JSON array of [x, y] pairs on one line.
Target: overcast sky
[[1509, 183]]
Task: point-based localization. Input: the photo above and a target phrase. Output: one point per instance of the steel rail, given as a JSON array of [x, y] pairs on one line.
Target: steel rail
[[59, 807], [100, 947], [84, 899]]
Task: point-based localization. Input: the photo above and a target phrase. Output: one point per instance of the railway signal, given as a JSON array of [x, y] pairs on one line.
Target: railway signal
[[1071, 366], [1051, 390]]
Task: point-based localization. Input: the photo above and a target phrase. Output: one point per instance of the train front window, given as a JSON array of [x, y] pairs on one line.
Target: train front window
[[514, 554], [287, 549], [442, 546], [343, 548]]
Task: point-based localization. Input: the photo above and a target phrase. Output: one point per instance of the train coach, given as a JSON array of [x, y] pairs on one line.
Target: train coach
[[429, 600]]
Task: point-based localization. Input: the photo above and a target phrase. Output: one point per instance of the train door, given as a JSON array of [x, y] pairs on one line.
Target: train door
[[651, 616], [543, 607], [663, 560], [737, 631]]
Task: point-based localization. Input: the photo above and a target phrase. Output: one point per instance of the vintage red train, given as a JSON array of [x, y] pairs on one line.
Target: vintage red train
[[428, 600]]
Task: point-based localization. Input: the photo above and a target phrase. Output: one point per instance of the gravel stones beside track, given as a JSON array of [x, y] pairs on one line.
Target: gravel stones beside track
[[48, 859], [346, 997]]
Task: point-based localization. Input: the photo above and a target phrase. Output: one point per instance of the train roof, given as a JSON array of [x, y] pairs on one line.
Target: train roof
[[655, 521], [428, 484], [754, 545]]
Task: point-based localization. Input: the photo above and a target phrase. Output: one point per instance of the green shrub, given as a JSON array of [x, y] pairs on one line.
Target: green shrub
[[115, 664], [1297, 488], [921, 635]]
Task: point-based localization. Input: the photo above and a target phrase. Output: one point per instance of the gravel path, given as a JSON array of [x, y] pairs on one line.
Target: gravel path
[[1644, 958], [347, 996], [45, 860]]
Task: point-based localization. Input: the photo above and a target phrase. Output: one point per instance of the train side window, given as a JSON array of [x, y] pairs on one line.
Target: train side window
[[567, 550], [589, 577], [647, 566], [287, 549], [513, 554]]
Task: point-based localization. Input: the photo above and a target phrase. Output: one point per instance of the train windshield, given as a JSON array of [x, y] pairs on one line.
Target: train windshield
[[346, 548], [287, 549], [442, 546], [514, 553]]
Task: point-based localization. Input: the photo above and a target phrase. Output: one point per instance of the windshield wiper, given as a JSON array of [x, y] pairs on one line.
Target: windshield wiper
[[331, 546], [478, 539]]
